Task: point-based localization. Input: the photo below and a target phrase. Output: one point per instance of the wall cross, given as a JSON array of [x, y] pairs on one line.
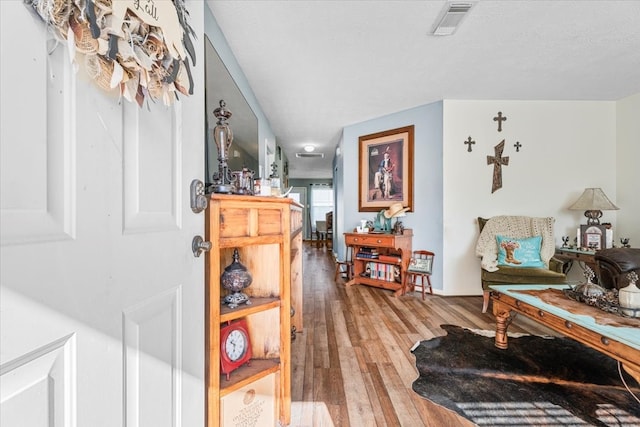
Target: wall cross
[[517, 145], [499, 118], [469, 142], [497, 161]]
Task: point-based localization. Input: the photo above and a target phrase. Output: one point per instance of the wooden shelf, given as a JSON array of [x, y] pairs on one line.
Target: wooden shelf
[[259, 368], [261, 229], [297, 303], [257, 305], [385, 284], [234, 242], [380, 261]]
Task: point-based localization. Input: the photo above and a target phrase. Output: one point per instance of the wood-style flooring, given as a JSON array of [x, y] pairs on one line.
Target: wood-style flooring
[[351, 365]]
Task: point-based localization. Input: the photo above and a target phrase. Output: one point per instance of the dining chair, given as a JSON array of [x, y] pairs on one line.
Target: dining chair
[[321, 232], [344, 267]]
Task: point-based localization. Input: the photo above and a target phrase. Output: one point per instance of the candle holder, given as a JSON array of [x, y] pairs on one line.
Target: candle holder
[[223, 179], [244, 181]]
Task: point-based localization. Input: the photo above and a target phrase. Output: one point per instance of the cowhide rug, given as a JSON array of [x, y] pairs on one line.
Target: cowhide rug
[[537, 381]]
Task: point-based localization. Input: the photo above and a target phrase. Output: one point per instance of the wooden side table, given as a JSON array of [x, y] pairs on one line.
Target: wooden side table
[[400, 243]]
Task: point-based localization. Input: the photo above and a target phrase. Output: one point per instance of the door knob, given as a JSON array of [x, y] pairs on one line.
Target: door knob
[[198, 245]]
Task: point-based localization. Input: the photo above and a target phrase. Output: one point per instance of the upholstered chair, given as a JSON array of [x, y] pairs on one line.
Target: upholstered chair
[[516, 227]]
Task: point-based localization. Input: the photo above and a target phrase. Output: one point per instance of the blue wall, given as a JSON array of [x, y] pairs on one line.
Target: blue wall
[[426, 219]]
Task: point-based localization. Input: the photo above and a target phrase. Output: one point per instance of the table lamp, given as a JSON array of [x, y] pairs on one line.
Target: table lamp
[[593, 201]]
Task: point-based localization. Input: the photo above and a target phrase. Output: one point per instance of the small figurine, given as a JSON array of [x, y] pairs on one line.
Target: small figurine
[[588, 290], [398, 227], [565, 241], [625, 242], [588, 274], [382, 223]]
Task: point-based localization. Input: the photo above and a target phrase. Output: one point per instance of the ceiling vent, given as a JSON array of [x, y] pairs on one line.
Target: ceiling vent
[[450, 18], [312, 155]]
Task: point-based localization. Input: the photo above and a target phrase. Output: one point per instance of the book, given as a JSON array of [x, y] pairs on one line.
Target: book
[[367, 255]]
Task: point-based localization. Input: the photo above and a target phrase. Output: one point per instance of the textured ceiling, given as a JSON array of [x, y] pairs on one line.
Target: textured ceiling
[[318, 66]]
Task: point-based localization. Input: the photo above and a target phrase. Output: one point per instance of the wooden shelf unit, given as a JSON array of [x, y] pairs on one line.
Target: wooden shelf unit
[[296, 266], [265, 231], [398, 243]]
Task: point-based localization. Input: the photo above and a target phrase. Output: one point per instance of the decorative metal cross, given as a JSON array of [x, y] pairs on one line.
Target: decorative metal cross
[[500, 119], [470, 143], [517, 145], [497, 161]]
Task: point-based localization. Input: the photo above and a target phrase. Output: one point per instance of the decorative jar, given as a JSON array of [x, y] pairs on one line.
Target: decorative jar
[[235, 278], [629, 297]]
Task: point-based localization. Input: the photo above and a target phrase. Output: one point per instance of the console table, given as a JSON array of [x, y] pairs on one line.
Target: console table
[[584, 258], [609, 333], [400, 243]]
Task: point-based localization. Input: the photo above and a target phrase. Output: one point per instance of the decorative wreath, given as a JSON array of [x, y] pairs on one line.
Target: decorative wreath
[[137, 46]]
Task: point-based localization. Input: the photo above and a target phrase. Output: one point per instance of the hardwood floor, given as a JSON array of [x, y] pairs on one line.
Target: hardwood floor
[[351, 365]]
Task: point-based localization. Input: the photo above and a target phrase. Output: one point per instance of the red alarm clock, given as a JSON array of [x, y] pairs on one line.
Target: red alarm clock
[[235, 346]]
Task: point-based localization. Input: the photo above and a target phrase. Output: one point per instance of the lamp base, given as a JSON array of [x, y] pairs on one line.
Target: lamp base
[[223, 188], [593, 217]]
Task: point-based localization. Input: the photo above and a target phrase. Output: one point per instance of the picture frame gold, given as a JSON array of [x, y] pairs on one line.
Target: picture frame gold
[[385, 169]]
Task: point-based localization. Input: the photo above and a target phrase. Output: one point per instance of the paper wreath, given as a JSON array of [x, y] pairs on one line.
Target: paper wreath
[[137, 46]]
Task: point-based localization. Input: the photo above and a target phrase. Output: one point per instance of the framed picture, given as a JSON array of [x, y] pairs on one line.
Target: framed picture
[[593, 236], [385, 169]]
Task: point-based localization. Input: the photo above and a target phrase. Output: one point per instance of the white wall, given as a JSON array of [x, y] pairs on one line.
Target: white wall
[[628, 168], [566, 146]]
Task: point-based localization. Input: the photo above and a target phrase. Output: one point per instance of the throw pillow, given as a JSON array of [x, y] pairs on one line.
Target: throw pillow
[[520, 252], [420, 265]]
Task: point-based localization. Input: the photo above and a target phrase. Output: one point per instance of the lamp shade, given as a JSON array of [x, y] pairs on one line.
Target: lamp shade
[[593, 201]]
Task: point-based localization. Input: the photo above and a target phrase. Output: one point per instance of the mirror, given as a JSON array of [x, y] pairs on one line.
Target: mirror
[[220, 85]]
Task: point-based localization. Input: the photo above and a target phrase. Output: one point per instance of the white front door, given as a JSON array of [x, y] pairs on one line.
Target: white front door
[[101, 298]]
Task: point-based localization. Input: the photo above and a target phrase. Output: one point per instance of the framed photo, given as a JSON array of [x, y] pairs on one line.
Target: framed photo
[[593, 236], [385, 169]]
